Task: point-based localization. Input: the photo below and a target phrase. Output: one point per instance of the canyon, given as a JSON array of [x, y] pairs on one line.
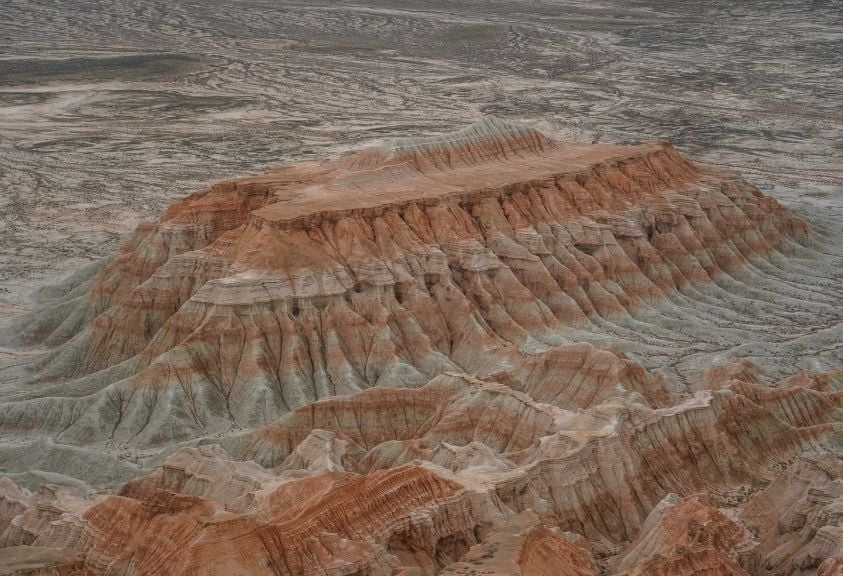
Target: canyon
[[488, 351]]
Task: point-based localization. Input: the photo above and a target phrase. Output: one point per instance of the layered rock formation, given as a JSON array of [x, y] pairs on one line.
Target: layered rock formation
[[437, 355]]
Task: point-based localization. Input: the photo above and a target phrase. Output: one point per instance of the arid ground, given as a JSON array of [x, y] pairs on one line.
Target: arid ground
[[563, 293], [110, 110]]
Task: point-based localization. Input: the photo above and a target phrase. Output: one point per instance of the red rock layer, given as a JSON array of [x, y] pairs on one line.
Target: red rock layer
[[690, 537], [523, 546], [373, 365], [318, 279], [335, 522], [797, 518], [441, 469]]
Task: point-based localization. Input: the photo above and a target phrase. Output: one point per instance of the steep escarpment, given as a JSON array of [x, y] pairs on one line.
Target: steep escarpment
[[484, 351]]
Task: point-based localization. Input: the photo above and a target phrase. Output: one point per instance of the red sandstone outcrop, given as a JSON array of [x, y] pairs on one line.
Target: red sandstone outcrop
[[798, 518], [443, 467], [374, 365], [334, 522], [522, 546], [390, 267], [689, 536]]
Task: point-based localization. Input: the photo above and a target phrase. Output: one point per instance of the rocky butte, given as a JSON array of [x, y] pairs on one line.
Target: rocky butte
[[480, 353]]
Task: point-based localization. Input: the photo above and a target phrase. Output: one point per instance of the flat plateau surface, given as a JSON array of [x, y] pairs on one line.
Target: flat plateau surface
[[336, 191]]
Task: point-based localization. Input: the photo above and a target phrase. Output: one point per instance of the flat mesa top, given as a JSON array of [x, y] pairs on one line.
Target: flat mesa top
[[490, 154]]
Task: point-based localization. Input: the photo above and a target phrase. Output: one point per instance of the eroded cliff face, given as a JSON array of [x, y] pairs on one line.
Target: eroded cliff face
[[479, 353]]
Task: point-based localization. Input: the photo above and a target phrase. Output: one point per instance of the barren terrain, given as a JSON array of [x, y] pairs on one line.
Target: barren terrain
[[421, 288], [111, 110]]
